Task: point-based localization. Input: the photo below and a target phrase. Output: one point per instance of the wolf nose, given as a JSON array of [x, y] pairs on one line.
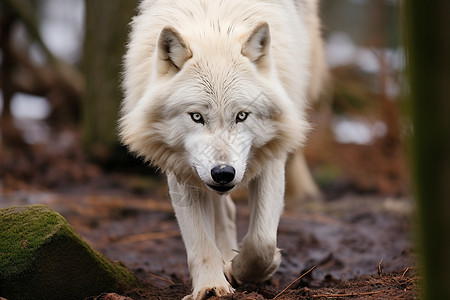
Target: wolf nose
[[223, 174]]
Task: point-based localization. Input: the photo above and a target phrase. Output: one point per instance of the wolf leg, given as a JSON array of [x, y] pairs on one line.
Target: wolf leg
[[259, 256], [225, 229], [194, 210], [299, 181]]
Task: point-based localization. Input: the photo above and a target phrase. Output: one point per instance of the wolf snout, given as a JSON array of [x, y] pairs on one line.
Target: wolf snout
[[223, 174]]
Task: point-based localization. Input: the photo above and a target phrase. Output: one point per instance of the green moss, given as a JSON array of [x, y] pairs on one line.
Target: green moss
[[22, 231], [41, 257]]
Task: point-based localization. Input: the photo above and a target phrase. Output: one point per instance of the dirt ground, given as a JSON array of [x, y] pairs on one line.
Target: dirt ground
[[358, 246]]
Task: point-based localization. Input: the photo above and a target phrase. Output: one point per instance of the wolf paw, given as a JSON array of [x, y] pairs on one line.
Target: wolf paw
[[208, 292], [247, 267], [228, 272]]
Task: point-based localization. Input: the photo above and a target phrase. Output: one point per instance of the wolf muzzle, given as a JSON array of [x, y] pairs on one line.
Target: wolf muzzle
[[222, 175]]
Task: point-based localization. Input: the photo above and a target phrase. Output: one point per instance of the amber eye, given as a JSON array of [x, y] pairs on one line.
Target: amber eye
[[241, 116], [197, 117]]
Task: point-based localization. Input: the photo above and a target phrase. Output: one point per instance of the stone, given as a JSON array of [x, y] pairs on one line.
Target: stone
[[41, 257]]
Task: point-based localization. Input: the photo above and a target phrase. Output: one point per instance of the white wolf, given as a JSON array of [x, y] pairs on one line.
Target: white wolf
[[215, 95]]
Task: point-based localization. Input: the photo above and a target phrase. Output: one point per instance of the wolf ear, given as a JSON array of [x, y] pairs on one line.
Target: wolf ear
[[257, 46], [172, 50]]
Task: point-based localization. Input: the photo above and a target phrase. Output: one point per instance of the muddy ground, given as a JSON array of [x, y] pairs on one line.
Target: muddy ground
[[359, 245]]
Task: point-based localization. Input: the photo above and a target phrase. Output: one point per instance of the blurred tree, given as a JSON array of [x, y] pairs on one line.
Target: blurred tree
[[7, 20], [104, 45], [57, 80], [428, 39]]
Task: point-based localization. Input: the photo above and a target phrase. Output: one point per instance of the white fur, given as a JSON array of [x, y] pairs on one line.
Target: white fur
[[219, 58]]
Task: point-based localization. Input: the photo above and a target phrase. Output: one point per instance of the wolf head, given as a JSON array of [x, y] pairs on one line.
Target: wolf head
[[213, 109]]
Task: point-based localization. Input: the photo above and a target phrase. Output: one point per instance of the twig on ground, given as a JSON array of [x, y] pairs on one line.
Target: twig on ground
[[293, 283], [380, 269], [403, 275], [161, 278], [345, 295]]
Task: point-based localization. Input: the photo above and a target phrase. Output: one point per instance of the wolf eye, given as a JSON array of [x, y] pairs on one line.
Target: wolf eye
[[197, 118], [241, 116]]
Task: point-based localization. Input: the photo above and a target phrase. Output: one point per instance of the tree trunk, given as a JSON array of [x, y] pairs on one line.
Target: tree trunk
[[428, 47], [104, 45]]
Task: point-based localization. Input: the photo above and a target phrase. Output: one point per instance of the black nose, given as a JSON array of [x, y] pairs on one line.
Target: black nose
[[223, 174]]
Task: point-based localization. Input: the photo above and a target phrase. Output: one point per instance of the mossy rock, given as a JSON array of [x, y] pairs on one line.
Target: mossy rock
[[41, 257]]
